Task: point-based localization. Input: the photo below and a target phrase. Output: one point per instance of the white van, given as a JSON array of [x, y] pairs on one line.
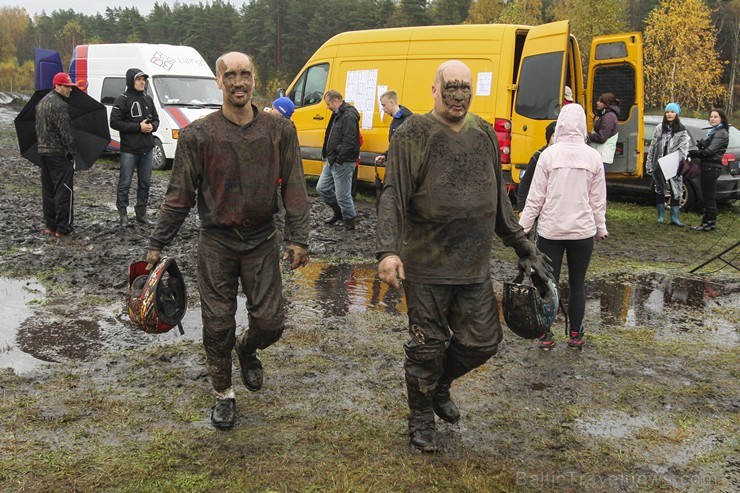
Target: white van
[[181, 84]]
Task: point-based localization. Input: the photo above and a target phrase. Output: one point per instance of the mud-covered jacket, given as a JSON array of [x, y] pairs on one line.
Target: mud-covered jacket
[[231, 172], [342, 136], [54, 126], [443, 199], [713, 148], [129, 110]]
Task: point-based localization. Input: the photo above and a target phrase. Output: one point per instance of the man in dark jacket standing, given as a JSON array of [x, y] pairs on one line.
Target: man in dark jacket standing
[[399, 113], [136, 118], [341, 150], [230, 163], [56, 146], [443, 199]]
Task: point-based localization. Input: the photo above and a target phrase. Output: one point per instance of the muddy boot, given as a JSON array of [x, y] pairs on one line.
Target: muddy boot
[[442, 404], [674, 217], [349, 224], [223, 414], [141, 214], [661, 212], [250, 368], [122, 217], [422, 432], [336, 216]]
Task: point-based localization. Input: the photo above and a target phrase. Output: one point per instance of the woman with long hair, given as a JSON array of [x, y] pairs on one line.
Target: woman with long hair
[[606, 127], [710, 151], [669, 137], [568, 200]]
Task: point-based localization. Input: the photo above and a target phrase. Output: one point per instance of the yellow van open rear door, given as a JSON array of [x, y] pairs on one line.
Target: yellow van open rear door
[[615, 66], [538, 93]]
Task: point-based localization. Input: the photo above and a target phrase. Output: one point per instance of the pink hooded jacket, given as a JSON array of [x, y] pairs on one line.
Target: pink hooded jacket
[[568, 192]]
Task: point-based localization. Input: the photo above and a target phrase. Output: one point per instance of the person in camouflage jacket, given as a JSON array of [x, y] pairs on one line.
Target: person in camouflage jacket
[[56, 147]]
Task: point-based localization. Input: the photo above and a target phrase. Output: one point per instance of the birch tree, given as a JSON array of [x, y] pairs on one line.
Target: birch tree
[[681, 60]]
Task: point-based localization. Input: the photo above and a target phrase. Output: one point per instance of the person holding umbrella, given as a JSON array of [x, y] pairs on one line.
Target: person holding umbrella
[[56, 148], [135, 117]]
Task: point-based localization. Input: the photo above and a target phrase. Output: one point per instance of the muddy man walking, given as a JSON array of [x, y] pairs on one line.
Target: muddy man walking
[[443, 199], [229, 164]]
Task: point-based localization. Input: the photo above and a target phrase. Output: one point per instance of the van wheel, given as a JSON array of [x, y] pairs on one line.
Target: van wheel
[[159, 162]]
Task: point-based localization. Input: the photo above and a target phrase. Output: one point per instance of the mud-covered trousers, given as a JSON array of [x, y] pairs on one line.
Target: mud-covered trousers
[[453, 329], [220, 269], [57, 192]]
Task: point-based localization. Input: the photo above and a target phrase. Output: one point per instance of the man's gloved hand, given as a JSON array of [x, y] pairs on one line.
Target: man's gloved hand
[[693, 153], [152, 258], [296, 255], [531, 259]]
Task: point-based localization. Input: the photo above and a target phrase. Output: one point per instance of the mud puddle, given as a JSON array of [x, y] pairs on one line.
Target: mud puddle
[[670, 305], [34, 329]]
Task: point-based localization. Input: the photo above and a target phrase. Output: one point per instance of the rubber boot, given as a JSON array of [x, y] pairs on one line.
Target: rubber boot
[[711, 220], [336, 216], [422, 431], [442, 404], [674, 217], [661, 212], [141, 214], [349, 224], [122, 217]]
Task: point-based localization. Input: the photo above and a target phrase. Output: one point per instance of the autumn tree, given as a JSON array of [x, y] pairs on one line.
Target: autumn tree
[[681, 61], [590, 18], [528, 12], [484, 11]]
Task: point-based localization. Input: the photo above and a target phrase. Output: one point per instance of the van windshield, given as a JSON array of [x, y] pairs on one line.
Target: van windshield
[[187, 91]]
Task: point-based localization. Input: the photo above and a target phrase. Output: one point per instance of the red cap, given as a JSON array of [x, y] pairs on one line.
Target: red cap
[[62, 79]]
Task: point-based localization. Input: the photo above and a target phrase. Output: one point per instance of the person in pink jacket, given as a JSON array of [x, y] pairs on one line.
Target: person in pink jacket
[[568, 198]]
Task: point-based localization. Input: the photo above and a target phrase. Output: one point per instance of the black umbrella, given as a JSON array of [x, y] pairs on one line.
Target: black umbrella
[[89, 125]]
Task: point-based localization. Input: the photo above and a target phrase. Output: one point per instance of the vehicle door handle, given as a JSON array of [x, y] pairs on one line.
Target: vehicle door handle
[[318, 117]]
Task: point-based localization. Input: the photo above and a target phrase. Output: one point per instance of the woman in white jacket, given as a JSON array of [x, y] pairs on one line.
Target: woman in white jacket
[[568, 198]]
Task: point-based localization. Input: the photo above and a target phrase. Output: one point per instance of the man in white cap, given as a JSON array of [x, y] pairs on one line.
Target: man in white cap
[[56, 146]]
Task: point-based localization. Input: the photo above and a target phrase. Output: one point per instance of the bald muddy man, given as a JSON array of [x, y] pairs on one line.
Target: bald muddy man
[[442, 201], [229, 164]]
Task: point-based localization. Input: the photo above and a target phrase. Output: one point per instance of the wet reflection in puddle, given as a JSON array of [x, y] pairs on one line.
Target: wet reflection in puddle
[[663, 303], [32, 332]]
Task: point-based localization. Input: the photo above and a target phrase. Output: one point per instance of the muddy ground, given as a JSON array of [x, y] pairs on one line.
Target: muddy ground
[[651, 404]]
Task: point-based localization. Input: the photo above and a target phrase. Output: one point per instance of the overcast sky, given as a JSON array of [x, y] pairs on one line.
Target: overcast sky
[[91, 7]]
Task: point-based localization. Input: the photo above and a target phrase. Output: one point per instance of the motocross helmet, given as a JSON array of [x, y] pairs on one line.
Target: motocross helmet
[[157, 299], [530, 305]]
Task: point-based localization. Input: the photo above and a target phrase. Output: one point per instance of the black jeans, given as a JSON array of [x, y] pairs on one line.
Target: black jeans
[[579, 256], [57, 193], [709, 178]]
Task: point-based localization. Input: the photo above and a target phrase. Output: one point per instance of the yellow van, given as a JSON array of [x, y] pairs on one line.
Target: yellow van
[[519, 78]]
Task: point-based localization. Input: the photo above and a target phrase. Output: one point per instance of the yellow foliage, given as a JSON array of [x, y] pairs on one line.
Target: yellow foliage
[[527, 12], [681, 61], [484, 11]]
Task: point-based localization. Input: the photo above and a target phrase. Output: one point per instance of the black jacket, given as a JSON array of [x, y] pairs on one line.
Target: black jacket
[[129, 110], [342, 137], [712, 149]]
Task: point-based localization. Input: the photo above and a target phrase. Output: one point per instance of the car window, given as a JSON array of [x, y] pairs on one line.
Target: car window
[[734, 137]]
